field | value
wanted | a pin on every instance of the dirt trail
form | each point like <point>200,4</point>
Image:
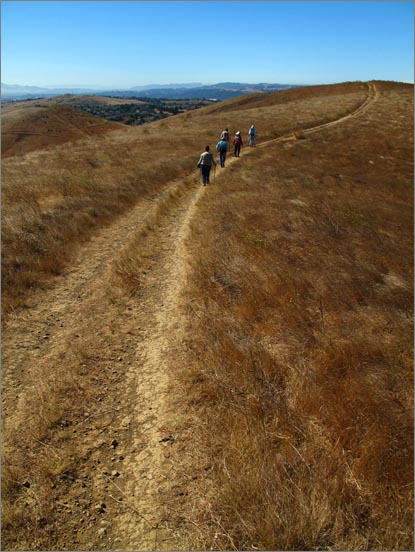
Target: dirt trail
<point>137,349</point>
<point>134,480</point>
<point>372,96</point>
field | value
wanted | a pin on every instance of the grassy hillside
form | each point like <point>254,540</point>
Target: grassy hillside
<point>31,127</point>
<point>43,123</point>
<point>300,337</point>
<point>294,385</point>
<point>52,200</point>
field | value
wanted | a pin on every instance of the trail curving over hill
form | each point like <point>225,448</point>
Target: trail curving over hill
<point>139,335</point>
<point>371,97</point>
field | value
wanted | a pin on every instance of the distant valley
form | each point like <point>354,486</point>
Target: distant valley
<point>29,125</point>
<point>219,91</point>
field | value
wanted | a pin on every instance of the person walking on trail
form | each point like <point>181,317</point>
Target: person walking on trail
<point>237,142</point>
<point>251,134</point>
<point>222,147</point>
<point>206,160</point>
<point>225,135</point>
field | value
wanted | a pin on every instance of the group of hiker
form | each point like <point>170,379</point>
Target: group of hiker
<point>206,159</point>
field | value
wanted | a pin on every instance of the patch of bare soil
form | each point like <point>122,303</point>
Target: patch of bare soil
<point>117,490</point>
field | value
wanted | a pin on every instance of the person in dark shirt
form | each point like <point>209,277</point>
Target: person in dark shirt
<point>237,142</point>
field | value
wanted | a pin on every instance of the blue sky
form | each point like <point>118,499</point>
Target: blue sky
<point>126,44</point>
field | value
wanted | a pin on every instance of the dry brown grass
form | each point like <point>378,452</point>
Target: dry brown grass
<point>60,414</point>
<point>53,200</point>
<point>29,127</point>
<point>299,378</point>
<point>300,339</point>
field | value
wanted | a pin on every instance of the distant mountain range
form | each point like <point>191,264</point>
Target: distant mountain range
<point>220,91</point>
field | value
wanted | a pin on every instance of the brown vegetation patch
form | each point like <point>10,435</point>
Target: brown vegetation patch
<point>27,128</point>
<point>295,362</point>
<point>300,341</point>
<point>89,182</point>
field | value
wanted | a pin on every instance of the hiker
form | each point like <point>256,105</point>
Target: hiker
<point>206,160</point>
<point>225,135</point>
<point>237,142</point>
<point>222,147</point>
<point>251,134</point>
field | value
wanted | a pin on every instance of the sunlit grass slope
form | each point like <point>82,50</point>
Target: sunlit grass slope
<point>32,127</point>
<point>52,200</point>
<point>297,370</point>
<point>300,338</point>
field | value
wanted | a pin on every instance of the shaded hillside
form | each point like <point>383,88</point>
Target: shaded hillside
<point>30,126</point>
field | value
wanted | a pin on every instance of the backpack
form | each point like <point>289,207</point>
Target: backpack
<point>237,139</point>
<point>225,135</point>
<point>221,146</point>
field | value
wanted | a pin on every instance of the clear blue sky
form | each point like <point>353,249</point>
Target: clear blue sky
<point>127,44</point>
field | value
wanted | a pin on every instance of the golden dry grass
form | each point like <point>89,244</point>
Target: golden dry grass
<point>301,342</point>
<point>30,127</point>
<point>298,381</point>
<point>53,200</point>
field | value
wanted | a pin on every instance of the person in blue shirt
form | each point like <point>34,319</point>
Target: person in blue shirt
<point>251,134</point>
<point>222,147</point>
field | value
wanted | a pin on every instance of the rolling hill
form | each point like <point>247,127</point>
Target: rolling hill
<point>220,367</point>
<point>38,124</point>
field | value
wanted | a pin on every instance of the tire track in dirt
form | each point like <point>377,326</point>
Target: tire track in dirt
<point>78,303</point>
<point>163,334</point>
<point>149,468</point>
<point>55,312</point>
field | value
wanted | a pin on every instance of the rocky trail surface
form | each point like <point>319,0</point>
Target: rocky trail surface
<point>122,491</point>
